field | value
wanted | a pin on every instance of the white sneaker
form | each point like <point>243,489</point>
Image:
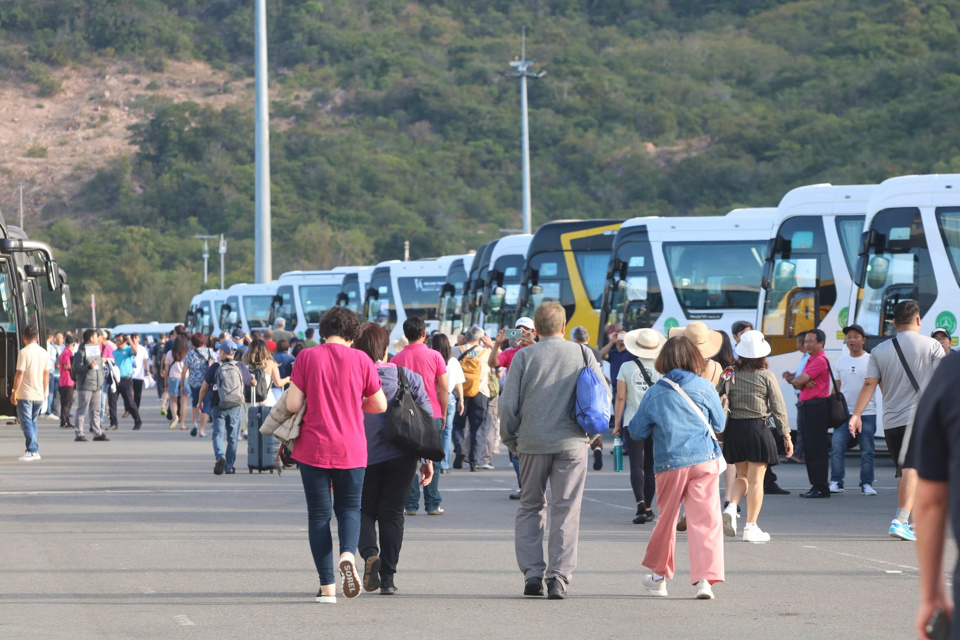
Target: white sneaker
<point>29,457</point>
<point>704,590</point>
<point>867,490</point>
<point>835,487</point>
<point>755,535</point>
<point>656,588</point>
<point>730,520</point>
<point>488,467</point>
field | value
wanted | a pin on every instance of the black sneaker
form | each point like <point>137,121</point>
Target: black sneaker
<point>458,461</point>
<point>387,588</point>
<point>641,517</point>
<point>597,459</point>
<point>230,472</point>
<point>371,573</point>
<point>533,587</point>
<point>101,438</point>
<point>137,426</point>
<point>555,589</point>
<point>218,466</point>
<point>774,489</point>
<point>80,439</point>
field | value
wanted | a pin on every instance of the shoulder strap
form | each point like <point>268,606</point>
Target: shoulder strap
<point>643,372</point>
<point>836,389</point>
<point>906,367</point>
<point>463,354</point>
<point>693,404</point>
<point>402,379</point>
<point>583,352</point>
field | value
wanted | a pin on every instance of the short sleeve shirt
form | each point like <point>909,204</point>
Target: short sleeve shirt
<point>617,360</point>
<point>66,364</point>
<point>211,379</point>
<point>636,385</point>
<point>899,398</point>
<point>817,368</point>
<point>505,357</point>
<point>34,361</point>
<point>430,365</point>
<point>124,359</point>
<point>454,374</point>
<point>335,379</point>
<point>851,372</point>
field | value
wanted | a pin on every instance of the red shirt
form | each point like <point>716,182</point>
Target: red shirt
<point>505,357</point>
<point>430,365</point>
<point>271,345</point>
<point>816,368</point>
<point>66,364</point>
<point>335,379</point>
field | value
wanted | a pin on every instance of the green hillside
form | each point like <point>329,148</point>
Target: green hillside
<point>398,121</point>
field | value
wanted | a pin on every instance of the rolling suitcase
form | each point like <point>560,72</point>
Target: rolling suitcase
<point>261,449</point>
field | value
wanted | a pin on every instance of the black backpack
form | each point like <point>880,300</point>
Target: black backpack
<point>409,426</point>
<point>262,385</point>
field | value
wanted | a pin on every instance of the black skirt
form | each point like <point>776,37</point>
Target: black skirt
<point>749,440</point>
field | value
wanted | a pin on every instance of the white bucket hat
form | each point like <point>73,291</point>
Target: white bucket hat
<point>644,343</point>
<point>706,340</point>
<point>752,345</point>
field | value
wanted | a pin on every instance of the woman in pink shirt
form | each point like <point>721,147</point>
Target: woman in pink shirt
<point>338,384</point>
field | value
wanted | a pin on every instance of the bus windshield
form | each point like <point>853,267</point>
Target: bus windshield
<point>380,308</point>
<point>257,310</point>
<point>316,299</point>
<point>6,302</point>
<point>715,275</point>
<point>421,296</point>
<point>351,289</point>
<point>948,219</point>
<point>849,230</point>
<point>897,267</point>
<point>636,302</point>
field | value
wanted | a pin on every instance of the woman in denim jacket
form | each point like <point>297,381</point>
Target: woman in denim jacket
<point>686,462</point>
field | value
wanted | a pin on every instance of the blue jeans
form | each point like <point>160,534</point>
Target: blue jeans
<point>446,436</point>
<point>431,492</point>
<point>226,421</point>
<point>27,412</point>
<point>841,436</point>
<point>347,489</point>
<point>53,394</point>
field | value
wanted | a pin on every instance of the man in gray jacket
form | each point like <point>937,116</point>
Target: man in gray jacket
<point>88,373</point>
<point>539,426</point>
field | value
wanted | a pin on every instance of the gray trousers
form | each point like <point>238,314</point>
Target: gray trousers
<point>489,439</point>
<point>566,472</point>
<point>88,401</point>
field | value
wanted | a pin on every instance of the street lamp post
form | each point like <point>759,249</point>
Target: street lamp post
<point>223,253</point>
<point>522,71</point>
<point>206,253</point>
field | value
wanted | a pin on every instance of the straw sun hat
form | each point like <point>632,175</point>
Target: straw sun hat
<point>644,343</point>
<point>707,341</point>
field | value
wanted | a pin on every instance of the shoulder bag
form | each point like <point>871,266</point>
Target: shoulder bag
<point>409,426</point>
<point>721,461</point>
<point>839,412</point>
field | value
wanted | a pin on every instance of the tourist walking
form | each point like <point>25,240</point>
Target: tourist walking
<point>176,374</point>
<point>681,413</point>
<point>30,387</point>
<point>748,445</point>
<point>198,361</point>
<point>338,385</point>
<point>633,380</point>
<point>476,389</point>
<point>227,382</point>
<point>67,384</point>
<point>124,356</point>
<point>87,370</point>
<point>441,344</point>
<point>389,472</point>
<point>259,360</point>
<point>537,422</point>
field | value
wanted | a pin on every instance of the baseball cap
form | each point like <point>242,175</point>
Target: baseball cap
<point>526,323</point>
<point>237,334</point>
<point>855,327</point>
<point>227,346</point>
<point>940,330</point>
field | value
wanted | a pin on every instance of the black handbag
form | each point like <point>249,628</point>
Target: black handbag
<point>839,412</point>
<point>409,426</point>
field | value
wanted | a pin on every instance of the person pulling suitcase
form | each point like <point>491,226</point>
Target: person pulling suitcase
<point>227,379</point>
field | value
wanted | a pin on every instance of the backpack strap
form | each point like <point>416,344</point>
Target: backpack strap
<point>583,352</point>
<point>643,372</point>
<point>906,367</point>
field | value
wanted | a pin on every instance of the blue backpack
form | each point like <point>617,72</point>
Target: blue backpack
<point>592,404</point>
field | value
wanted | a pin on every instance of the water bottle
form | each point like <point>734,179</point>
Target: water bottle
<point>618,454</point>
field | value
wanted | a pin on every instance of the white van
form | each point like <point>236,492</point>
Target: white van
<point>152,330</point>
<point>353,288</point>
<point>204,313</point>
<point>501,290</point>
<point>248,306</point>
<point>303,296</point>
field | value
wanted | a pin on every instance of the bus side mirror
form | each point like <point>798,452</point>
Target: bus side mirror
<point>860,271</point>
<point>53,275</point>
<point>877,272</point>
<point>66,300</point>
<point>342,299</point>
<point>767,279</point>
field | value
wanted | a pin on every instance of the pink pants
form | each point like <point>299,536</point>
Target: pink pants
<point>697,488</point>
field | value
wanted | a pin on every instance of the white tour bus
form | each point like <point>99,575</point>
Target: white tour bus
<point>152,330</point>
<point>303,296</point>
<point>501,289</point>
<point>401,289</point>
<point>910,249</point>
<point>667,272</point>
<point>204,313</point>
<point>808,274</point>
<point>451,297</point>
<point>353,288</point>
<point>247,306</point>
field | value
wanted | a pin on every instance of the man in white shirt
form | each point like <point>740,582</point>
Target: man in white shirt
<point>30,387</point>
<point>851,372</point>
<point>141,368</point>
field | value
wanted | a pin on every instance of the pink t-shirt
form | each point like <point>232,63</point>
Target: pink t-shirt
<point>505,357</point>
<point>335,379</point>
<point>66,363</point>
<point>816,368</point>
<point>430,365</point>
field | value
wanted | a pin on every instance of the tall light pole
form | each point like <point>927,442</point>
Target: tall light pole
<point>20,189</point>
<point>523,72</point>
<point>223,253</point>
<point>206,253</point>
<point>263,258</point>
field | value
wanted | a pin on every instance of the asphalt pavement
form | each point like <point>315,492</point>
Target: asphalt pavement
<point>137,538</point>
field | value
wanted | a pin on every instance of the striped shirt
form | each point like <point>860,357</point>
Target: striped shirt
<point>755,393</point>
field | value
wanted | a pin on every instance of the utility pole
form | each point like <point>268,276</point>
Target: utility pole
<point>20,188</point>
<point>223,252</point>
<point>93,310</point>
<point>206,253</point>
<point>263,257</point>
<point>523,72</point>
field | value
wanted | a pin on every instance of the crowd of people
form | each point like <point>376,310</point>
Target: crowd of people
<point>697,409</point>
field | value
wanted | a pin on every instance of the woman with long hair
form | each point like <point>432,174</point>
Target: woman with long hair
<point>177,376</point>
<point>390,470</point>
<point>440,343</point>
<point>258,357</point>
<point>681,412</point>
<point>338,385</point>
<point>748,444</point>
<point>198,361</point>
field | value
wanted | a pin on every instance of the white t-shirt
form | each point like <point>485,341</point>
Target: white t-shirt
<point>141,363</point>
<point>34,361</point>
<point>636,385</point>
<point>454,374</point>
<point>851,373</point>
